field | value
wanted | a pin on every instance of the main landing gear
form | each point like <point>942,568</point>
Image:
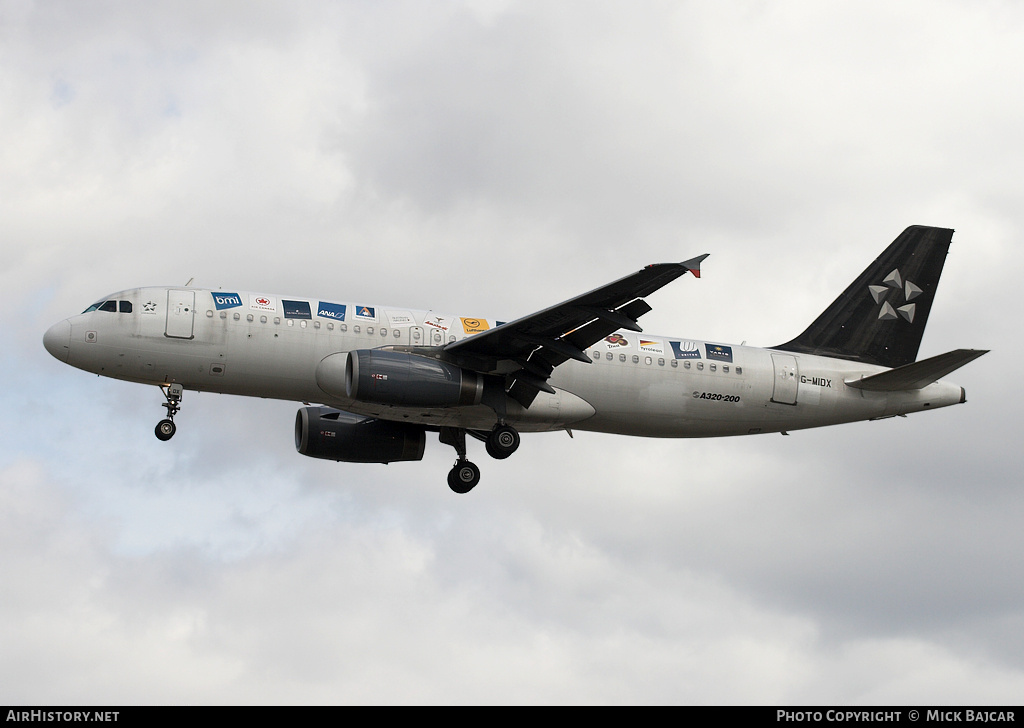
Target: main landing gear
<point>165,428</point>
<point>500,442</point>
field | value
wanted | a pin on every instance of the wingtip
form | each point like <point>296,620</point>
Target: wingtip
<point>693,264</point>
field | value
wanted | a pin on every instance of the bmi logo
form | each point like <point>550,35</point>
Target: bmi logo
<point>905,290</point>
<point>226,300</point>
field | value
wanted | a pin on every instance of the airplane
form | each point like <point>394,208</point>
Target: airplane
<point>382,377</point>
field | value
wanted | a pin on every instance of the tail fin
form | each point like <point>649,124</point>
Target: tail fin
<point>880,317</point>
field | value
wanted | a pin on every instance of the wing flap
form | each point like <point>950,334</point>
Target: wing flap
<point>919,374</point>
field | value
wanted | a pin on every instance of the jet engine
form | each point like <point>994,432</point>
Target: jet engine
<point>321,432</point>
<point>397,378</point>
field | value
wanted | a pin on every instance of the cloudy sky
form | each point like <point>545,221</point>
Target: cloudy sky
<point>490,159</point>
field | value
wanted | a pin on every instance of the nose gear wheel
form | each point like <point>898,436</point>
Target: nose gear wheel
<point>166,428</point>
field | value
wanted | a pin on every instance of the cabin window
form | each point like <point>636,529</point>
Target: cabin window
<point>383,332</point>
<point>686,365</point>
<point>622,357</point>
<point>125,306</point>
<point>595,354</point>
<point>725,368</point>
<point>451,339</point>
<point>277,319</point>
<point>302,324</point>
<point>661,362</point>
<point>739,370</point>
<point>610,356</point>
<point>316,324</point>
<point>330,326</point>
<point>700,366</point>
<point>290,322</point>
<point>355,329</point>
<point>237,316</point>
<point>248,317</point>
<point>263,319</point>
<point>712,366</point>
<point>344,327</point>
<point>675,364</point>
<point>396,333</point>
<point>636,359</point>
<point>648,360</point>
<point>223,314</point>
<point>369,329</point>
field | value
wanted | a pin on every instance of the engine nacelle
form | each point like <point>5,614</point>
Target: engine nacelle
<point>321,432</point>
<point>396,378</point>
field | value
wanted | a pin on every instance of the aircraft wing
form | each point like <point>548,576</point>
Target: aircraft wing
<point>527,350</point>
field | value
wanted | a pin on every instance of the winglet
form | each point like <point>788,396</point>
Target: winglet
<point>693,264</point>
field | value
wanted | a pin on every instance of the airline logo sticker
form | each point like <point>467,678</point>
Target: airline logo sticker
<point>437,322</point>
<point>262,303</point>
<point>652,347</point>
<point>894,281</point>
<point>719,353</point>
<point>368,313</point>
<point>400,318</point>
<point>614,341</point>
<point>685,349</point>
<point>334,311</point>
<point>296,309</point>
<point>224,300</point>
<point>473,326</point>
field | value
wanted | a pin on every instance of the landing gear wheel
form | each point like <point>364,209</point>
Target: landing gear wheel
<point>463,477</point>
<point>165,429</point>
<point>502,442</point>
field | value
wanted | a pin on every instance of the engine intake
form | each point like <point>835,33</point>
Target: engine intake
<point>397,378</point>
<point>330,434</point>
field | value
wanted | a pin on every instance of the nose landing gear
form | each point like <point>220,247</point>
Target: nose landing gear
<point>166,428</point>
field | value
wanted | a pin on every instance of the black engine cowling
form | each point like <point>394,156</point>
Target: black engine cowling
<point>397,378</point>
<point>321,432</point>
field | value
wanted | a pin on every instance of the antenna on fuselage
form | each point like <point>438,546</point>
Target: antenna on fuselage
<point>190,281</point>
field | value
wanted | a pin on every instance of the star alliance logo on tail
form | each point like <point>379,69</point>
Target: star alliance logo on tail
<point>894,281</point>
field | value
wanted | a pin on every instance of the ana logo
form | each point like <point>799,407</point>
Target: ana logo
<point>334,311</point>
<point>226,300</point>
<point>905,293</point>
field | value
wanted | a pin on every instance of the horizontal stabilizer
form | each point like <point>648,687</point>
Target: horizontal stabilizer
<point>919,374</point>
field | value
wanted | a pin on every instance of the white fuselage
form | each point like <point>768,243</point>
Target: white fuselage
<point>636,384</point>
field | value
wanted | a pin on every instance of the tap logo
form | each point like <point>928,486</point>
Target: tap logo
<point>905,293</point>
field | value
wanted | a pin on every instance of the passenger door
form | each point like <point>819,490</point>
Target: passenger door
<point>180,314</point>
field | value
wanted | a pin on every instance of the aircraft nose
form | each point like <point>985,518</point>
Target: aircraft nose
<point>57,340</point>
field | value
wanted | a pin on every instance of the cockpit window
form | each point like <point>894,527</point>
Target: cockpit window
<point>112,306</point>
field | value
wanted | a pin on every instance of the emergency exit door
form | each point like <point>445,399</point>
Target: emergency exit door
<point>787,379</point>
<point>180,314</point>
